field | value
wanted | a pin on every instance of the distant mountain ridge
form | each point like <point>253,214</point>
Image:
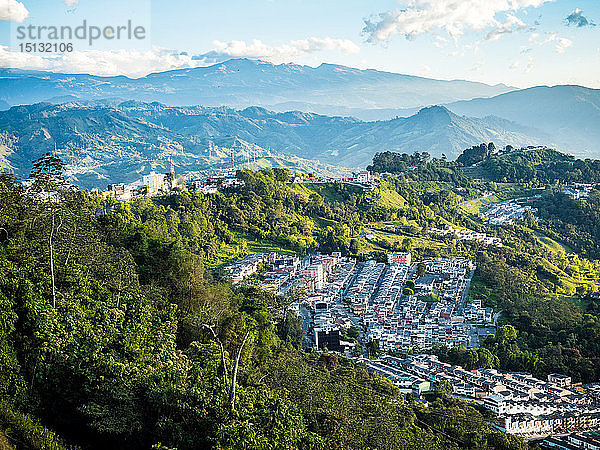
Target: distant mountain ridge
<point>569,115</point>
<point>105,144</point>
<point>242,82</point>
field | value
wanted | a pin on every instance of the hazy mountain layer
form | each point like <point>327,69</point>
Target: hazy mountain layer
<point>242,82</point>
<point>104,144</point>
<point>570,115</point>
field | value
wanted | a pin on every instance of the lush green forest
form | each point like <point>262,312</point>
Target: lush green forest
<point>539,166</point>
<point>114,331</point>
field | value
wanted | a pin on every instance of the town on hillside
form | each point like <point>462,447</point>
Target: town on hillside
<point>374,311</point>
<point>153,183</point>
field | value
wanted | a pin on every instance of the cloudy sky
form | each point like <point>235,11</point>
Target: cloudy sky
<point>516,42</point>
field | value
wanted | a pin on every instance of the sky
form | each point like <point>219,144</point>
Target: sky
<point>519,43</point>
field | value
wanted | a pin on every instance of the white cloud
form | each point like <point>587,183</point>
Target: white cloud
<point>512,24</point>
<point>132,63</point>
<point>515,65</point>
<point>71,2</point>
<point>282,53</point>
<point>13,11</point>
<point>561,44</point>
<point>453,16</point>
<point>136,63</point>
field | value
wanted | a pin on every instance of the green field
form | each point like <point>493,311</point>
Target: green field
<point>229,252</point>
<point>392,238</point>
<point>551,244</point>
<point>388,198</point>
<point>479,204</point>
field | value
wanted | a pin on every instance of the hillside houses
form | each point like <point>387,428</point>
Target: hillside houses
<point>579,190</point>
<point>466,235</point>
<point>339,292</point>
<point>506,213</point>
<point>244,267</point>
<point>525,405</point>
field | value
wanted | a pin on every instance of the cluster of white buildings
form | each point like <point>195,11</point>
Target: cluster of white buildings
<point>525,405</point>
<point>390,302</point>
<point>432,314</point>
<point>328,314</point>
<point>579,190</point>
<point>154,184</point>
<point>407,383</point>
<point>589,440</point>
<point>320,280</point>
<point>363,286</point>
<point>339,293</point>
<point>467,235</point>
<point>244,267</point>
<point>475,312</point>
<point>148,186</point>
<point>280,271</point>
<point>506,213</point>
<point>364,179</point>
<point>221,179</point>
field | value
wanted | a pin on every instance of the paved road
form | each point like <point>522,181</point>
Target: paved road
<point>461,307</point>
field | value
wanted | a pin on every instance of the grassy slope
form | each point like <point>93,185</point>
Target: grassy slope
<point>388,198</point>
<point>552,245</point>
<point>479,204</point>
<point>399,237</point>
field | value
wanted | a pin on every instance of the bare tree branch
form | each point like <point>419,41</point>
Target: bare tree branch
<point>237,362</point>
<point>216,338</point>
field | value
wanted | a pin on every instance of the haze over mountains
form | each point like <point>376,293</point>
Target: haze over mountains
<point>242,82</point>
<point>105,144</point>
<point>107,135</point>
<point>570,115</point>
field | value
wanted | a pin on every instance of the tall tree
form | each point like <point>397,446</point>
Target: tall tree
<point>47,185</point>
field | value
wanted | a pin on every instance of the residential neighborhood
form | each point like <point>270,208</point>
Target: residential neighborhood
<point>506,213</point>
<point>579,190</point>
<point>400,304</point>
<point>525,405</point>
<point>406,306</point>
<point>466,235</point>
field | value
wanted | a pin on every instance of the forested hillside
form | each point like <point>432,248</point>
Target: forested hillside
<point>117,330</point>
<point>104,144</point>
<point>115,334</point>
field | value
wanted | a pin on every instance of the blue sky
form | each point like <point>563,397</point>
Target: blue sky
<point>516,42</point>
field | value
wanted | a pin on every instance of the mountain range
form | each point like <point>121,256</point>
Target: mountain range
<point>328,115</point>
<point>241,83</point>
<point>568,115</point>
<point>104,144</point>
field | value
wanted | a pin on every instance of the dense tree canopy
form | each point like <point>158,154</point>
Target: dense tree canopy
<point>138,345</point>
